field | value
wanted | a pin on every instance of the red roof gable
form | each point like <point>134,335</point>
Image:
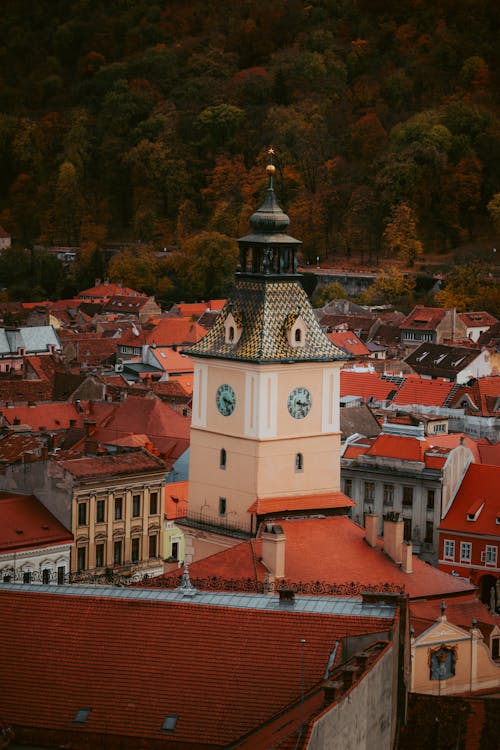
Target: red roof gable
<point>459,611</point>
<point>349,342</point>
<point>25,523</point>
<point>481,484</point>
<point>423,318</point>
<point>220,670</point>
<point>397,446</point>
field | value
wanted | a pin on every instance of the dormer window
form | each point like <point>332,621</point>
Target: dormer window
<point>474,511</point>
<point>295,329</point>
<point>233,326</point>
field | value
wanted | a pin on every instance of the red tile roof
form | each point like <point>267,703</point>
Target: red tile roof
<point>423,391</point>
<point>405,448</point>
<point>453,439</point>
<point>459,611</point>
<point>222,671</point>
<point>116,464</point>
<point>175,332</point>
<point>49,416</point>
<point>349,342</point>
<point>423,318</point>
<point>489,453</point>
<point>172,361</point>
<point>106,290</point>
<point>331,550</point>
<point>25,523</point>
<point>477,319</point>
<point>366,385</point>
<point>481,484</point>
<point>484,395</point>
<point>300,502</point>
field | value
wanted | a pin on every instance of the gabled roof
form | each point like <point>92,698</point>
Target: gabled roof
<point>25,523</point>
<point>480,397</point>
<point>196,309</point>
<point>31,339</point>
<point>401,447</point>
<point>107,290</point>
<point>349,342</point>
<point>126,304</point>
<point>489,453</point>
<point>53,416</point>
<point>459,611</point>
<point>20,447</point>
<point>219,665</point>
<point>423,318</point>
<point>423,391</point>
<point>175,332</point>
<point>477,319</point>
<point>480,485</point>
<point>439,360</point>
<point>171,360</point>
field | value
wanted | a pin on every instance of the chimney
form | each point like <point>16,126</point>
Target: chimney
<point>333,690</point>
<point>349,675</point>
<point>371,529</point>
<point>273,549</point>
<point>407,557</point>
<point>287,597</point>
<point>393,536</point>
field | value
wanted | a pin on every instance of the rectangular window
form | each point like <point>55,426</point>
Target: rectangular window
<point>429,532</point>
<point>27,576</point>
<point>99,511</point>
<point>175,550</point>
<point>449,549</point>
<point>117,553</point>
<point>136,505</point>
<point>135,549</point>
<point>430,499</point>
<point>82,514</point>
<point>222,506</point>
<point>465,552</point>
<point>407,529</point>
<point>491,555</point>
<point>408,497</point>
<point>45,575</point>
<point>81,559</point>
<point>369,495</point>
<point>118,508</point>
<point>152,545</point>
<point>388,494</point>
<point>348,487</point>
<point>99,555</point>
<point>61,574</point>
<point>153,503</point>
<point>495,648</point>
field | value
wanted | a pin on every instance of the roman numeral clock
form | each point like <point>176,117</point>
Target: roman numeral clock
<point>265,418</point>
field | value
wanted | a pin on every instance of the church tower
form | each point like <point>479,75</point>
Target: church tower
<point>265,435</point>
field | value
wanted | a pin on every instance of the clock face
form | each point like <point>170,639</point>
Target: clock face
<point>299,403</point>
<point>225,398</point>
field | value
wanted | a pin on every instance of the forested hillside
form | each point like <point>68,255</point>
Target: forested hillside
<point>149,122</point>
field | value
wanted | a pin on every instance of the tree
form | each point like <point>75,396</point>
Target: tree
<point>470,286</point>
<point>400,235</point>
<point>204,266</point>
<point>328,292</point>
<point>494,210</point>
<point>138,269</point>
<point>391,287</point>
<point>68,204</point>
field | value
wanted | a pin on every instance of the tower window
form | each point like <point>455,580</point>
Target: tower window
<point>298,335</point>
<point>223,458</point>
<point>299,462</point>
<point>231,333</point>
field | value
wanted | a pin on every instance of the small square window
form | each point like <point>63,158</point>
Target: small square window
<point>169,723</point>
<point>81,715</point>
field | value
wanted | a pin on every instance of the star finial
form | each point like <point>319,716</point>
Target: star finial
<point>270,169</point>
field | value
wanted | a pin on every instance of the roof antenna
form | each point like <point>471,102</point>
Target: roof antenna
<point>186,588</point>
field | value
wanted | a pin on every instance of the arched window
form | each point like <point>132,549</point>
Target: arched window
<point>298,335</point>
<point>299,462</point>
<point>223,458</point>
<point>231,333</point>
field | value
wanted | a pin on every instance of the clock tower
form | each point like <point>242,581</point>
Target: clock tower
<point>265,434</point>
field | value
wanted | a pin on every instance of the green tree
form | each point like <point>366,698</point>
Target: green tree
<point>204,266</point>
<point>391,287</point>
<point>137,269</point>
<point>328,292</point>
<point>68,204</point>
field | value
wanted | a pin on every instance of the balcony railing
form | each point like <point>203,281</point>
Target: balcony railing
<point>216,524</point>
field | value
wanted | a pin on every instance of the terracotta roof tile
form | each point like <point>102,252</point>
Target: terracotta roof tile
<point>300,502</point>
<point>175,332</point>
<point>423,391</point>
<point>349,342</point>
<point>366,385</point>
<point>481,484</point>
<point>220,670</point>
<point>25,523</point>
<point>116,464</point>
<point>423,318</point>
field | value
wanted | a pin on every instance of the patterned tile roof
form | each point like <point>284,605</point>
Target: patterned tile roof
<point>481,485</point>
<point>220,670</point>
<point>25,523</point>
<point>264,306</point>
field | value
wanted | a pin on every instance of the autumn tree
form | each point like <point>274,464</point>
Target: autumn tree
<point>135,268</point>
<point>494,210</point>
<point>328,292</point>
<point>400,234</point>
<point>391,287</point>
<point>470,286</point>
<point>204,266</point>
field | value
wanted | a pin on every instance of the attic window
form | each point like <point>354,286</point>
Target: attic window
<point>81,715</point>
<point>169,723</point>
<point>474,512</point>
